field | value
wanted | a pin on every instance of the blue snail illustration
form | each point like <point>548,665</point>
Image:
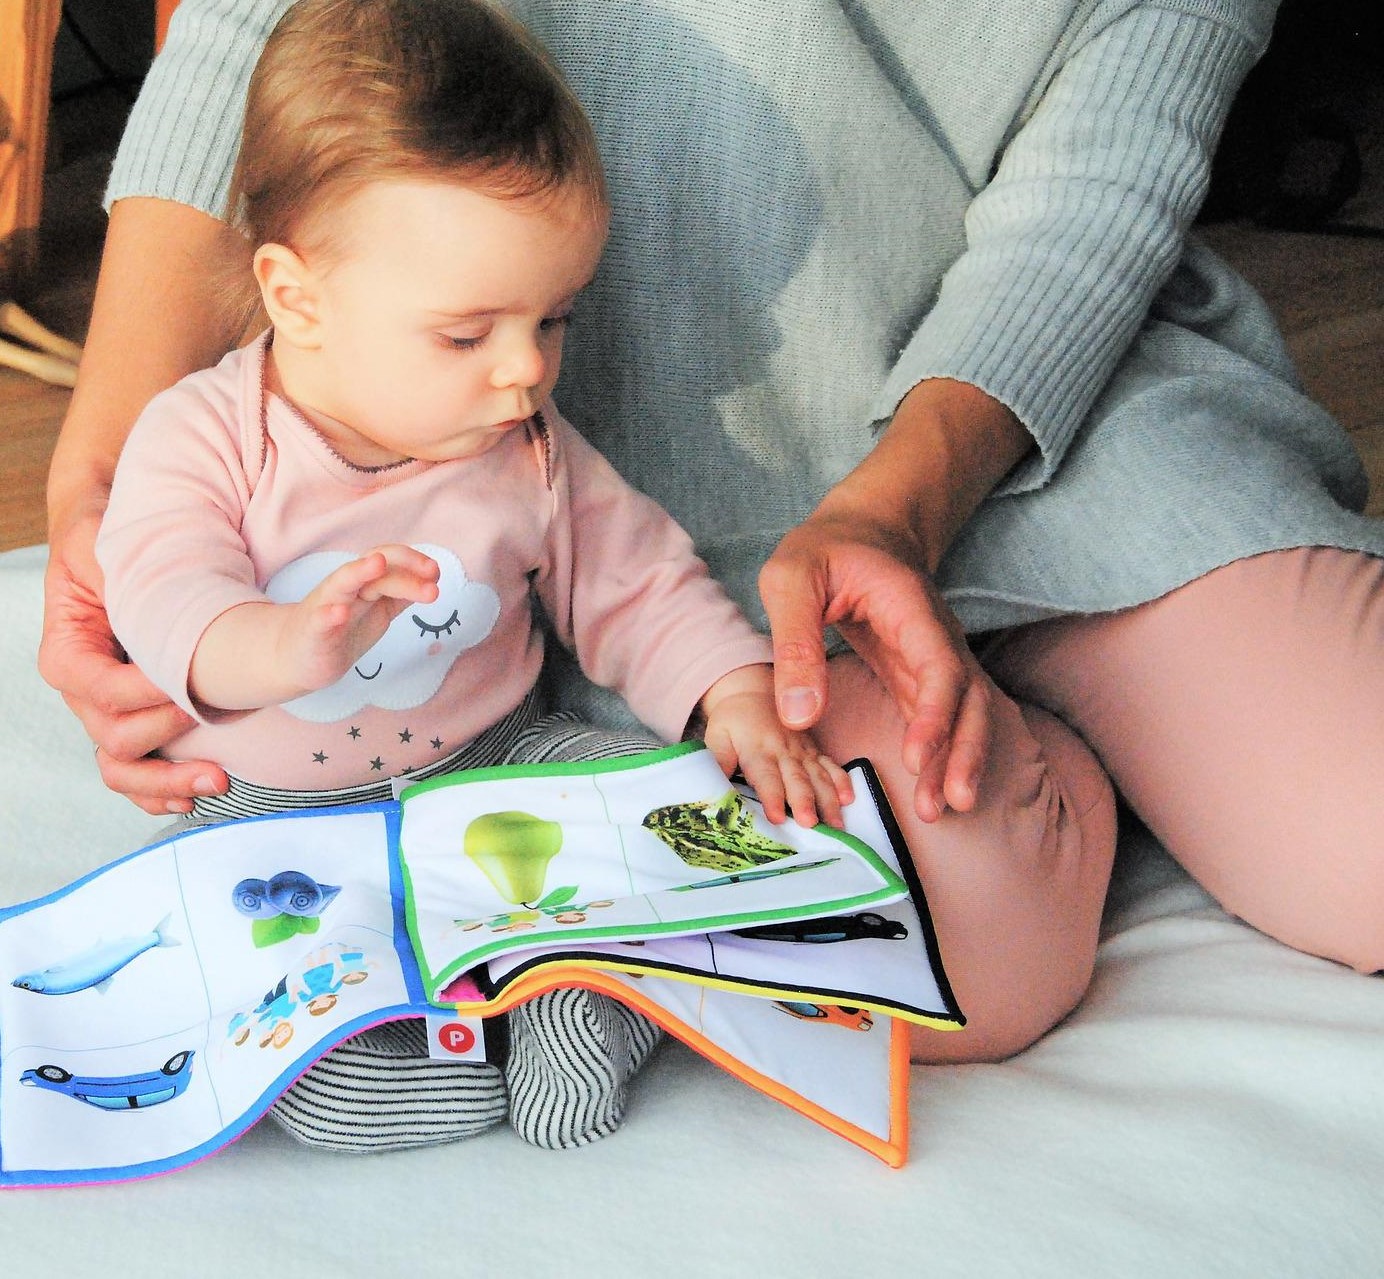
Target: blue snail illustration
<point>281,907</point>
<point>290,892</point>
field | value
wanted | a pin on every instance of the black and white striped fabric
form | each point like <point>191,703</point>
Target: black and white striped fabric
<point>572,1052</point>
<point>380,1091</point>
<point>572,1055</point>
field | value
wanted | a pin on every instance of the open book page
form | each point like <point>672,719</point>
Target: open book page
<point>655,845</point>
<point>152,1011</point>
<point>890,965</point>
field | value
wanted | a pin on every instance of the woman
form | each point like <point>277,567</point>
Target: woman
<point>898,318</point>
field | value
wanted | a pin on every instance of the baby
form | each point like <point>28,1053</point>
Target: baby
<point>329,549</point>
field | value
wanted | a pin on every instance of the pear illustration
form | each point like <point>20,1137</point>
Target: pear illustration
<point>513,850</point>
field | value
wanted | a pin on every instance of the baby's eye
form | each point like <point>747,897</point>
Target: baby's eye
<point>427,628</point>
<point>454,343</point>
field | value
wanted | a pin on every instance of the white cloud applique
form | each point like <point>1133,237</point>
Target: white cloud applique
<point>408,663</point>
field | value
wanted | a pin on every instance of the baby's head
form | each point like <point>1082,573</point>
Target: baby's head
<point>422,197</point>
<point>350,92</point>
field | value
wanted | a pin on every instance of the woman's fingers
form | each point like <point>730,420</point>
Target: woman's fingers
<point>122,711</point>
<point>128,721</point>
<point>791,586</point>
<point>128,717</point>
<point>970,745</point>
<point>947,739</point>
<point>158,786</point>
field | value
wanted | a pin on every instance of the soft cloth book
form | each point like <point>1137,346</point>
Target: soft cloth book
<point>154,1010</point>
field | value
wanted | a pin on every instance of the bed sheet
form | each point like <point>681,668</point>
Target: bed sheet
<point>1214,1107</point>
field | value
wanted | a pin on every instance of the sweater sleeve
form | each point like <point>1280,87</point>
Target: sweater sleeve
<point>170,547</point>
<point>182,135</point>
<point>626,592</point>
<point>1082,223</point>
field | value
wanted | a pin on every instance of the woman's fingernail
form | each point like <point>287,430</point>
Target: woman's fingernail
<point>204,786</point>
<point>798,705</point>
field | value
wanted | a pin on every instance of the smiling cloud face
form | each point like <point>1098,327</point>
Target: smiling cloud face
<point>408,663</point>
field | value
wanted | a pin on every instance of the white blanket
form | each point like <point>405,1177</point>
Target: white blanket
<point>1215,1107</point>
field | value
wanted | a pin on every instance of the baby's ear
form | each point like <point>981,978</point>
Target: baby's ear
<point>290,292</point>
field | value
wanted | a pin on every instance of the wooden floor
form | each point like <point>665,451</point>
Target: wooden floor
<point>1327,291</point>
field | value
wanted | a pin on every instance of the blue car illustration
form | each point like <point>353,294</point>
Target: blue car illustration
<point>117,1092</point>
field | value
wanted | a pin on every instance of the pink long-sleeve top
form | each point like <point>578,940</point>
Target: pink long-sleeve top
<point>225,494</point>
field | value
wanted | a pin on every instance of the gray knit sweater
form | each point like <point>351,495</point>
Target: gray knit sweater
<point>819,203</point>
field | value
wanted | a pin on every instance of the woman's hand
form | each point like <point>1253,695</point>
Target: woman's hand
<point>863,563</point>
<point>158,313</point>
<point>123,713</point>
<point>866,581</point>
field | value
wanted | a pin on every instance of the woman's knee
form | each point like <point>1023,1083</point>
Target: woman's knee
<point>1015,887</point>
<point>1242,716</point>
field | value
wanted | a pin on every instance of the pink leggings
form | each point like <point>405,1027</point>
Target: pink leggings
<point>1241,716</point>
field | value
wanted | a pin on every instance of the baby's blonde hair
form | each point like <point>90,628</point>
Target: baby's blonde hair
<point>349,92</point>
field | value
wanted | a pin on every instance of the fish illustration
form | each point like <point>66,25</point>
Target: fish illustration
<point>96,965</point>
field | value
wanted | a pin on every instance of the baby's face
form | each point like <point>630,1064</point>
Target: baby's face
<point>441,323</point>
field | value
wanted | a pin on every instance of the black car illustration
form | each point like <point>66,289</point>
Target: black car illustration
<point>831,928</point>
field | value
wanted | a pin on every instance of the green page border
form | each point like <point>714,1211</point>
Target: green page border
<point>892,885</point>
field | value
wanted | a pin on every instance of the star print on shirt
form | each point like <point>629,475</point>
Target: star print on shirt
<point>437,743</point>
<point>319,757</point>
<point>406,736</point>
<point>376,764</point>
<point>353,731</point>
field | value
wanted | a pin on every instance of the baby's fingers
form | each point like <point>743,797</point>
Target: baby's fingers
<point>399,572</point>
<point>768,779</point>
<point>792,784</point>
<point>833,789</point>
<point>344,585</point>
<point>817,789</point>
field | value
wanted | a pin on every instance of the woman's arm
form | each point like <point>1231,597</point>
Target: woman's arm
<point>1067,246</point>
<point>863,563</point>
<point>1084,221</point>
<point>156,317</point>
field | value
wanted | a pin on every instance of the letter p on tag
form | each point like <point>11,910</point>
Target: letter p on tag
<point>453,1038</point>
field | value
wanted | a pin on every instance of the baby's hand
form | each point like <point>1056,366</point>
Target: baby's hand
<point>785,767</point>
<point>344,615</point>
<point>262,654</point>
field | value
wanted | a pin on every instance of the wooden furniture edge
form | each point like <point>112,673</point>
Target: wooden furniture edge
<point>27,31</point>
